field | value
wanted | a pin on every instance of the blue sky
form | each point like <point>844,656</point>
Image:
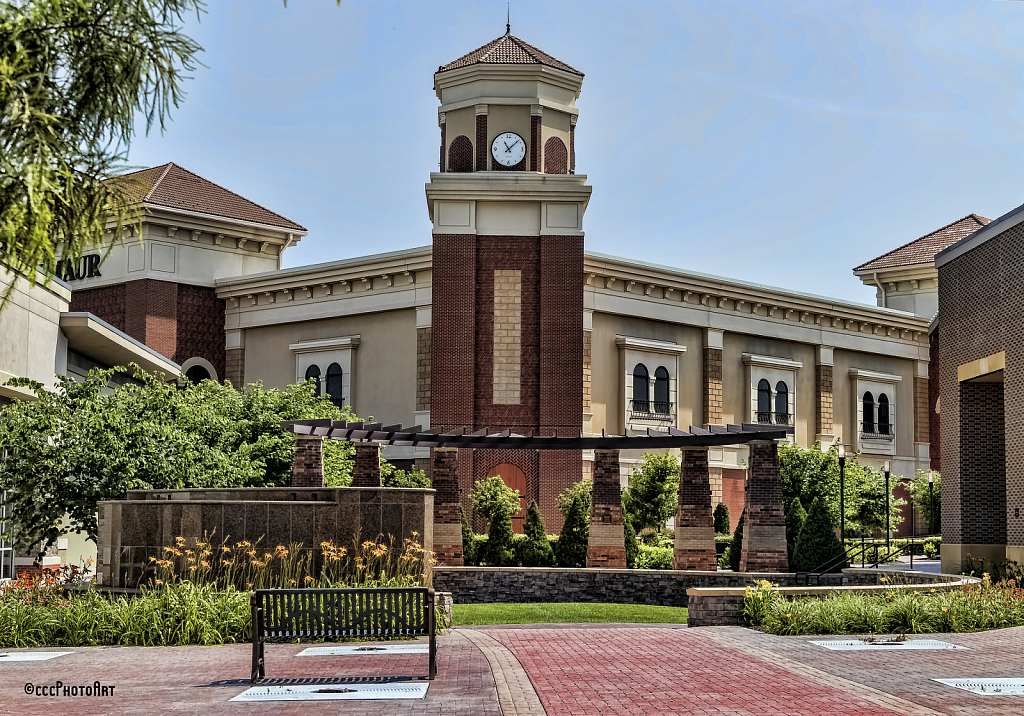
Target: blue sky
<point>775,142</point>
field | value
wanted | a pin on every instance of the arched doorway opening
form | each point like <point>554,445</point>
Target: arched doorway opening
<point>515,479</point>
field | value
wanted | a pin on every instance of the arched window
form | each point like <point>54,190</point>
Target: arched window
<point>883,414</point>
<point>313,372</point>
<point>641,402</point>
<point>556,158</point>
<point>197,373</point>
<point>764,401</point>
<point>868,419</point>
<point>334,385</point>
<point>661,404</point>
<point>781,403</point>
<point>460,154</point>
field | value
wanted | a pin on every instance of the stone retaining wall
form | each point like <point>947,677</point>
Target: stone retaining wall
<point>480,585</point>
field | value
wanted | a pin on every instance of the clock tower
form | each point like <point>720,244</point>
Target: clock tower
<point>506,324</point>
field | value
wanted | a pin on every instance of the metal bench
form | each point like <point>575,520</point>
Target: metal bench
<point>289,614</point>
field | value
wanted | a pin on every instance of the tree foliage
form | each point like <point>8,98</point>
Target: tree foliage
<point>81,443</point>
<point>571,549</point>
<point>721,518</point>
<point>535,550</point>
<point>652,496</point>
<point>496,502</point>
<point>928,500</point>
<point>795,518</point>
<point>817,543</point>
<point>469,556</point>
<point>74,75</point>
<point>584,490</point>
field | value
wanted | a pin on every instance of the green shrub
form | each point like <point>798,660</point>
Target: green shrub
<point>500,548</point>
<point>572,542</point>
<point>654,557</point>
<point>757,601</point>
<point>535,549</point>
<point>721,519</point>
<point>795,518</point>
<point>632,546</point>
<point>735,549</point>
<point>658,538</point>
<point>496,502</point>
<point>817,543</point>
<point>469,552</point>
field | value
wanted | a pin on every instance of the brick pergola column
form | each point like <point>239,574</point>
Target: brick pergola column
<point>695,532</point>
<point>607,546</point>
<point>823,366</point>
<point>308,468</point>
<point>764,527</point>
<point>444,477</point>
<point>366,472</point>
<point>713,343</point>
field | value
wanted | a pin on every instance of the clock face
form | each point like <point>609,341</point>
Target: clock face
<point>508,149</point>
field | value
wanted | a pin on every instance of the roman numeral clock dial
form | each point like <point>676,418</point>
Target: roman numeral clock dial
<point>508,149</point>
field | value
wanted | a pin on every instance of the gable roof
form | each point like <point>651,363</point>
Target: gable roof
<point>508,50</point>
<point>175,187</point>
<point>923,250</point>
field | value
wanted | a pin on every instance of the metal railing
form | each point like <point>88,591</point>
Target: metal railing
<point>850,555</point>
<point>774,418</point>
<point>891,435</point>
<point>651,410</point>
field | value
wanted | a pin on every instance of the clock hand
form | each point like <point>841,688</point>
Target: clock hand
<point>507,148</point>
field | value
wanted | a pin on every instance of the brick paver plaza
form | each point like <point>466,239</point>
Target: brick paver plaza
<point>547,669</point>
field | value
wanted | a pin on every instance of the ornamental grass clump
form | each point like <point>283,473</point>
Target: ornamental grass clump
<point>986,605</point>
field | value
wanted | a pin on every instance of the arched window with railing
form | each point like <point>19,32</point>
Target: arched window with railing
<point>884,424</point>
<point>661,401</point>
<point>335,385</point>
<point>313,373</point>
<point>641,401</point>
<point>868,409</point>
<point>781,403</point>
<point>764,401</point>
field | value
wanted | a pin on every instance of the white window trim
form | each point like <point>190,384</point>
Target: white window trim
<point>323,352</point>
<point>876,383</point>
<point>773,369</point>
<point>202,362</point>
<point>653,354</point>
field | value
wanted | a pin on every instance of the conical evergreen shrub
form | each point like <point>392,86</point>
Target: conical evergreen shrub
<point>721,519</point>
<point>736,548</point>
<point>500,548</point>
<point>572,541</point>
<point>796,515</point>
<point>629,536</point>
<point>817,542</point>
<point>469,556</point>
<point>535,550</point>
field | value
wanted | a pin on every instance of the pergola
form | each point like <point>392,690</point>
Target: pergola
<point>764,548</point>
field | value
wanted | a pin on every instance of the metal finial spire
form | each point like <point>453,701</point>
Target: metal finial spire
<point>508,19</point>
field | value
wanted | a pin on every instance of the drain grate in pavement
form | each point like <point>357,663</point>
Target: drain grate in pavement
<point>31,655</point>
<point>987,687</point>
<point>365,649</point>
<point>333,692</point>
<point>908,645</point>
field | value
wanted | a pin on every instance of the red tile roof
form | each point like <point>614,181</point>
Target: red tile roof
<point>177,188</point>
<point>923,250</point>
<point>508,50</point>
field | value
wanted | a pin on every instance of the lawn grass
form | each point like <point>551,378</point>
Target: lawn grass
<point>572,613</point>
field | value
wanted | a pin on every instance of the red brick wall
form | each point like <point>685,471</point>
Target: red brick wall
<point>366,469</point>
<point>535,123</point>
<point>151,314</point>
<point>764,531</point>
<point>200,326</point>
<point>734,494</point>
<point>107,303</point>
<point>481,143</point>
<point>441,163</point>
<point>572,148</point>
<point>308,465</point>
<point>934,384</point>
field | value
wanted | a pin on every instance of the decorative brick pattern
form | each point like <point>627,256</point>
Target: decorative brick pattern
<point>460,154</point>
<point>561,469</point>
<point>561,334</point>
<point>934,384</point>
<point>921,427</point>
<point>606,547</point>
<point>712,386</point>
<point>106,303</point>
<point>481,143</point>
<point>441,164</point>
<point>308,468</point>
<point>151,315</point>
<point>453,331</point>
<point>823,387</point>
<point>200,327</point>
<point>444,477</point>
<point>556,158</point>
<point>695,533</point>
<point>764,528</point>
<point>587,373</point>
<point>518,167</point>
<point>982,463</point>
<point>423,355</point>
<point>535,122</point>
<point>508,315</point>
<point>234,367</point>
<point>366,470</point>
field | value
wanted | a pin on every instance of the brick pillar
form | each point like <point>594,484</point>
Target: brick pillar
<point>444,476</point>
<point>824,406</point>
<point>572,144</point>
<point>423,358</point>
<point>695,532</point>
<point>308,468</point>
<point>442,165</point>
<point>607,546</point>
<point>764,527</point>
<point>482,148</point>
<point>535,121</point>
<point>713,377</point>
<point>366,472</point>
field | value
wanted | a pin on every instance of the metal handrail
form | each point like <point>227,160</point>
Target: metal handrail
<point>851,553</point>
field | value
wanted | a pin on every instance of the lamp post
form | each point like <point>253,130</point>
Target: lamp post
<point>931,503</point>
<point>886,469</point>
<point>841,452</point>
